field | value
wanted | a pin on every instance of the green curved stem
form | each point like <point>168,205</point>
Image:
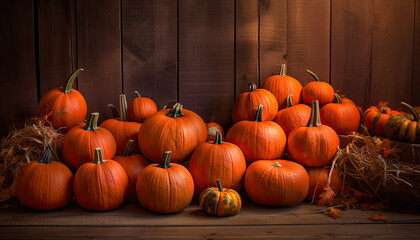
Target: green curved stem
<point>258,115</point>
<point>165,161</point>
<point>125,117</point>
<point>176,111</point>
<point>46,157</point>
<point>338,98</point>
<point>137,93</point>
<point>277,164</point>
<point>289,102</point>
<point>114,110</point>
<point>128,150</point>
<point>315,120</point>
<point>219,185</point>
<point>99,156</point>
<point>412,110</point>
<point>92,123</point>
<point>313,75</point>
<point>218,139</point>
<point>68,85</point>
<point>252,87</point>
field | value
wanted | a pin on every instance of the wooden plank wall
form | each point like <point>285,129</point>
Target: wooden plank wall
<point>204,53</point>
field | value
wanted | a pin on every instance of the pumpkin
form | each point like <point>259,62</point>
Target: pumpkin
<point>44,184</point>
<point>133,164</point>
<point>258,139</point>
<point>318,178</point>
<point>141,107</point>
<point>314,145</point>
<point>165,188</point>
<point>282,86</point>
<point>247,103</point>
<point>212,129</point>
<point>64,107</point>
<point>276,182</point>
<point>100,185</point>
<point>218,159</point>
<point>123,129</point>
<point>80,143</point>
<point>375,118</point>
<point>342,117</point>
<point>292,116</point>
<point>317,90</point>
<point>402,128</point>
<point>175,128</point>
<point>344,98</point>
<point>220,201</point>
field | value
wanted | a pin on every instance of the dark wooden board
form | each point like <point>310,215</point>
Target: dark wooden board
<point>415,86</point>
<point>150,49</point>
<point>206,58</point>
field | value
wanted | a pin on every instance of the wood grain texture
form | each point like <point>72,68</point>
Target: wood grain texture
<point>392,52</point>
<point>308,39</point>
<point>206,58</point>
<point>57,51</point>
<point>150,49</point>
<point>18,83</point>
<point>247,20</point>
<point>273,37</point>
<point>99,53</point>
<point>415,86</point>
<point>351,39</point>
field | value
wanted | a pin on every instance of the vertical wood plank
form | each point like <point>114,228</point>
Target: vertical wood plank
<point>99,53</point>
<point>273,37</point>
<point>415,86</point>
<point>392,51</point>
<point>57,43</point>
<point>308,38</point>
<point>247,20</point>
<point>206,58</point>
<point>150,49</point>
<point>18,83</point>
<point>351,42</point>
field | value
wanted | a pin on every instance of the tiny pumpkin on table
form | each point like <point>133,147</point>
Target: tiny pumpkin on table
<point>220,201</point>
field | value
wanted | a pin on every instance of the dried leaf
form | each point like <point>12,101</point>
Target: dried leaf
<point>326,196</point>
<point>378,217</point>
<point>333,212</point>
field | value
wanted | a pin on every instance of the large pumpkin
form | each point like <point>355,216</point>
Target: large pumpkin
<point>342,117</point>
<point>247,103</point>
<point>123,129</point>
<point>318,178</point>
<point>276,182</point>
<point>220,201</point>
<point>212,129</point>
<point>141,107</point>
<point>133,164</point>
<point>282,86</point>
<point>314,145</point>
<point>375,118</point>
<point>402,128</point>
<point>44,184</point>
<point>217,160</point>
<point>317,90</point>
<point>80,143</point>
<point>258,139</point>
<point>165,188</point>
<point>174,129</point>
<point>292,116</point>
<point>100,185</point>
<point>64,107</point>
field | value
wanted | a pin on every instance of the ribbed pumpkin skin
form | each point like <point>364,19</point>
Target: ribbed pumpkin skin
<point>403,128</point>
<point>321,91</point>
<point>282,86</point>
<point>212,127</point>
<point>342,117</point>
<point>225,203</point>
<point>292,117</point>
<point>318,178</point>
<point>44,186</point>
<point>122,132</point>
<point>268,185</point>
<point>140,108</point>
<point>375,119</point>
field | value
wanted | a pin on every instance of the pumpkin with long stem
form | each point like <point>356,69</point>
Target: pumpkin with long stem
<point>292,116</point>
<point>375,118</point>
<point>220,201</point>
<point>141,107</point>
<point>402,128</point>
<point>317,90</point>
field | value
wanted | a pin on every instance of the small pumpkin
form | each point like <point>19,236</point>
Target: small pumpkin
<point>247,103</point>
<point>165,188</point>
<point>212,129</point>
<point>64,107</point>
<point>402,128</point>
<point>318,178</point>
<point>100,185</point>
<point>141,107</point>
<point>317,90</point>
<point>220,201</point>
<point>375,118</point>
<point>314,145</point>
<point>292,116</point>
<point>276,182</point>
<point>282,86</point>
<point>44,184</point>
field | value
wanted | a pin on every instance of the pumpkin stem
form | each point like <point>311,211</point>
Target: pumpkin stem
<point>252,87</point>
<point>165,106</point>
<point>219,185</point>
<point>218,139</point>
<point>176,111</point>
<point>412,110</point>
<point>124,108</point>
<point>46,157</point>
<point>338,98</point>
<point>137,93</point>
<point>114,110</point>
<point>315,120</point>
<point>258,115</point>
<point>165,160</point>
<point>128,148</point>
<point>277,164</point>
<point>313,75</point>
<point>92,123</point>
<point>99,156</point>
<point>283,69</point>
<point>68,85</point>
<point>289,102</point>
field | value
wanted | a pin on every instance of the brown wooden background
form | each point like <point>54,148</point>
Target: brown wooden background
<point>204,52</point>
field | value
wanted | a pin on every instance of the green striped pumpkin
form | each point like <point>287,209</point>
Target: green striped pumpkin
<point>220,201</point>
<point>402,128</point>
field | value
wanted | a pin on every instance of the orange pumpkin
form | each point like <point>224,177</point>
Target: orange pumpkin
<point>247,103</point>
<point>344,98</point>
<point>141,107</point>
<point>318,178</point>
<point>258,139</point>
<point>211,161</point>
<point>133,164</point>
<point>64,107</point>
<point>292,116</point>
<point>212,129</point>
<point>220,201</point>
<point>80,143</point>
<point>276,182</point>
<point>375,118</point>
<point>100,185</point>
<point>402,128</point>
<point>314,145</point>
<point>177,128</point>
<point>282,86</point>
<point>317,90</point>
<point>44,184</point>
<point>165,188</point>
